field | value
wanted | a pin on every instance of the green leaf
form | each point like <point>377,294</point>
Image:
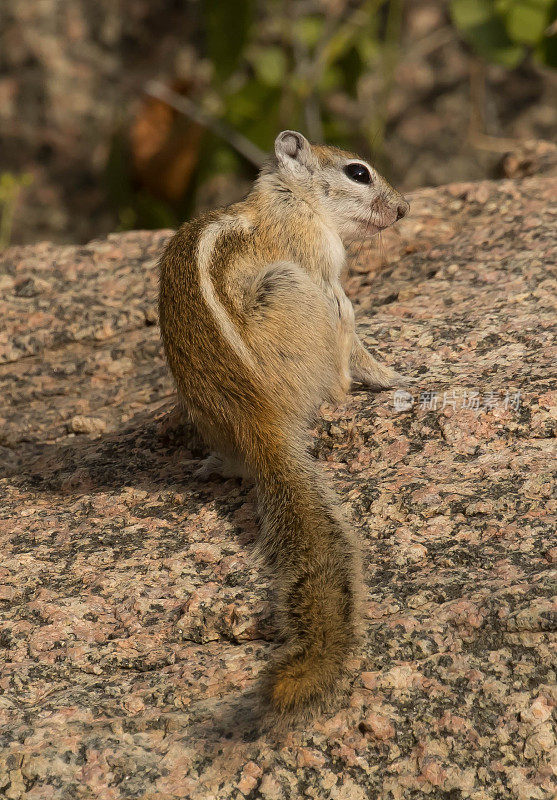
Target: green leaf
<point>331,79</point>
<point>245,104</point>
<point>468,14</point>
<point>225,160</point>
<point>308,30</point>
<point>526,22</point>
<point>547,49</point>
<point>254,111</point>
<point>492,42</point>
<point>368,48</point>
<point>502,6</point>
<point>228,26</point>
<point>270,65</point>
<point>485,31</point>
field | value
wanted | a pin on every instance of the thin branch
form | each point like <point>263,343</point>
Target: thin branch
<point>338,31</point>
<point>306,94</point>
<point>391,55</point>
<point>428,44</point>
<point>183,105</point>
<point>493,144</point>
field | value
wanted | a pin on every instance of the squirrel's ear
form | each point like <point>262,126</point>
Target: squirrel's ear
<point>291,147</point>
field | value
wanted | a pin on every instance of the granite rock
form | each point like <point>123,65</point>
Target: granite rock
<point>133,618</point>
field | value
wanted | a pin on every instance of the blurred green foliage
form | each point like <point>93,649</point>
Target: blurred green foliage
<point>10,187</point>
<point>326,70</point>
<point>275,69</point>
<point>504,31</point>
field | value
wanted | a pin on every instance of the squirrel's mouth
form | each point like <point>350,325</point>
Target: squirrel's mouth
<point>382,213</point>
<point>370,226</point>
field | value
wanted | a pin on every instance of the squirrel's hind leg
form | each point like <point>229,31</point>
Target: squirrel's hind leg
<point>223,466</point>
<point>365,369</point>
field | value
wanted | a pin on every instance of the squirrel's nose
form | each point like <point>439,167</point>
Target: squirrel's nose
<point>402,209</point>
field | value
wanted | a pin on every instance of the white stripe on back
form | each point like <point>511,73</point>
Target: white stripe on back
<point>225,325</point>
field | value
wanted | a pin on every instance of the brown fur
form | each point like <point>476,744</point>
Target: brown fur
<point>257,333</point>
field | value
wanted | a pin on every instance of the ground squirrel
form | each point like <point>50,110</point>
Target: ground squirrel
<point>258,333</point>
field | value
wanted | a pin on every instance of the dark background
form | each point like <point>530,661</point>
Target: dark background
<point>431,91</point>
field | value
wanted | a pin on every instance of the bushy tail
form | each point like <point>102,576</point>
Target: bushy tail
<point>315,561</point>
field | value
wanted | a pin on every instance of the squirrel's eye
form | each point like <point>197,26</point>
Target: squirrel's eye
<point>357,172</point>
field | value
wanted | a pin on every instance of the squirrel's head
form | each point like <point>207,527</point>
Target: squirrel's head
<point>352,195</point>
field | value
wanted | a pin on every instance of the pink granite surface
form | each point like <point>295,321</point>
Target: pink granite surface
<point>133,620</point>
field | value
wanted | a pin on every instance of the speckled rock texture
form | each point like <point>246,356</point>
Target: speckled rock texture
<point>134,620</point>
